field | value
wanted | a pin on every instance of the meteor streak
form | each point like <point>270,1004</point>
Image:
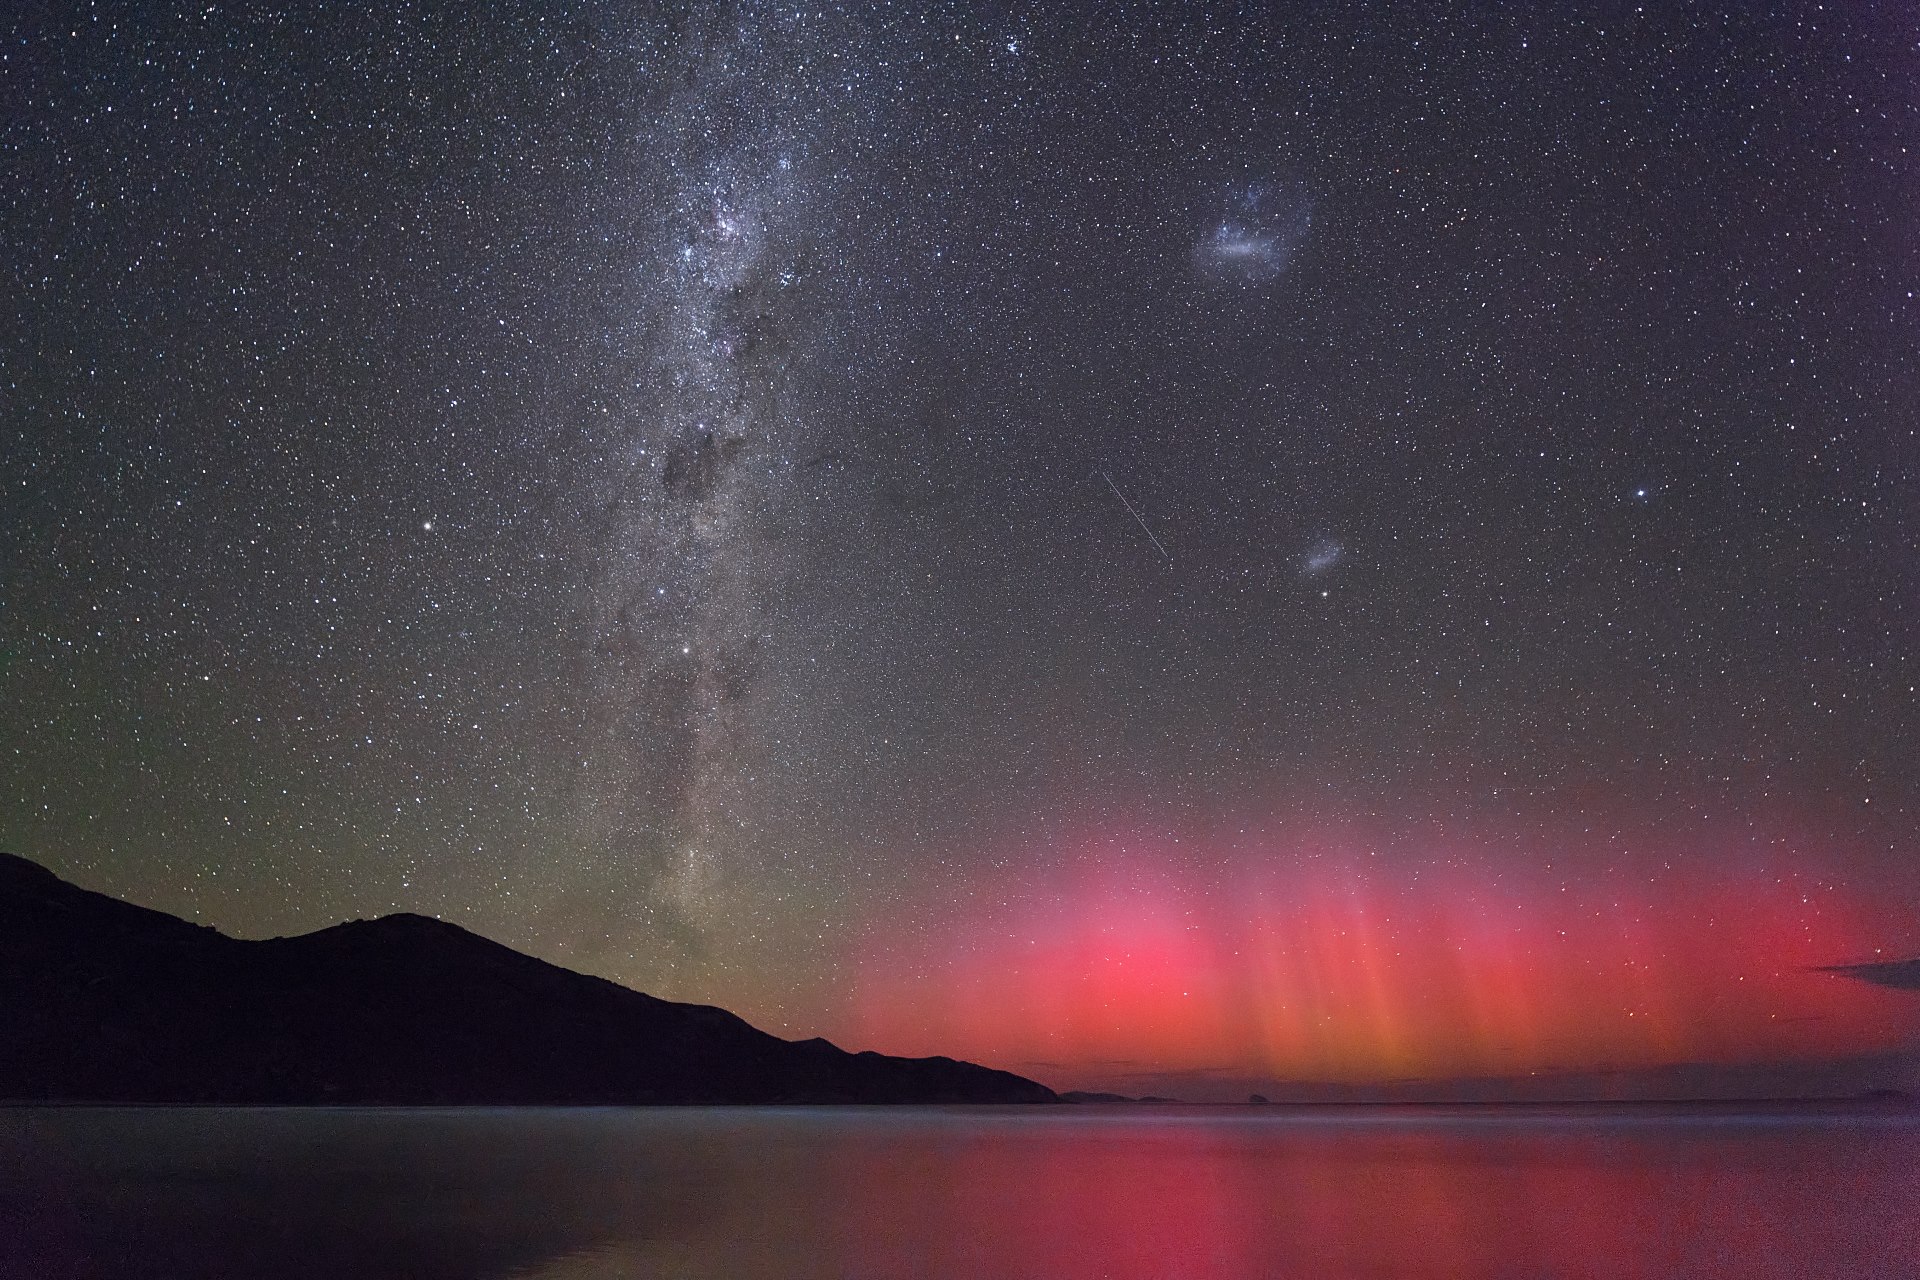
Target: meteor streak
<point>1134,512</point>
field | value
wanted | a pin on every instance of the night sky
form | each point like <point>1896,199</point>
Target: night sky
<point>1143,544</point>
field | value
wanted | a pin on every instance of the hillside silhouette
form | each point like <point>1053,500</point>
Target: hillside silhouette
<point>104,1001</point>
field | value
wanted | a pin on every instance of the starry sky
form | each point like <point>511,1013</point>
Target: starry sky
<point>1165,543</point>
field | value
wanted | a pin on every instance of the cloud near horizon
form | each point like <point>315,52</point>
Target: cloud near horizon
<point>1900,975</point>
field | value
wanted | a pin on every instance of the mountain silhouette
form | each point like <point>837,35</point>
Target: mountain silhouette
<point>104,1001</point>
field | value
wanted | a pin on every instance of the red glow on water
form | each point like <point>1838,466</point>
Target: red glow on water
<point>1280,1198</point>
<point>1321,962</point>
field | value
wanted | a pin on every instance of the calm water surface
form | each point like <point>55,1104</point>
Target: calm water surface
<point>1059,1194</point>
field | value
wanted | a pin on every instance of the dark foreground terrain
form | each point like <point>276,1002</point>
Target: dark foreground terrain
<point>104,1001</point>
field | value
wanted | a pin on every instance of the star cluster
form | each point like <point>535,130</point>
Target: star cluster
<point>749,500</point>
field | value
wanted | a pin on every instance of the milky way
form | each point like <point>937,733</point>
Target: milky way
<point>704,436</point>
<point>642,483</point>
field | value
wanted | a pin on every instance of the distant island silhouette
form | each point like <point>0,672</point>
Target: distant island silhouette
<point>106,1002</point>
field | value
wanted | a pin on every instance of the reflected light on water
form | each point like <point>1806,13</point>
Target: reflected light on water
<point>966,1194</point>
